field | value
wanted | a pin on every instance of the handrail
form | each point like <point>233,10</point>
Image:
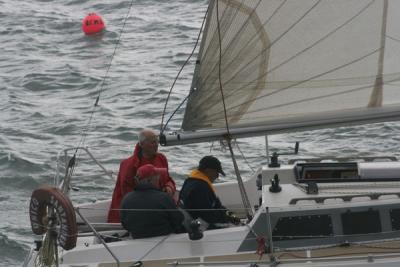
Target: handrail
<point>98,236</point>
<point>343,159</point>
<point>372,196</point>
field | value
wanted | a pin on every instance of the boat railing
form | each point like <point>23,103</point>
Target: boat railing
<point>98,236</point>
<point>66,162</point>
<point>343,159</point>
<point>28,257</point>
<point>367,258</point>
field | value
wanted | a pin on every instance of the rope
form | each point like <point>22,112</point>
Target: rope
<point>173,113</point>
<point>162,126</point>
<point>219,70</point>
<point>242,190</point>
<point>87,127</point>
<point>245,159</point>
<point>48,253</point>
<point>222,148</point>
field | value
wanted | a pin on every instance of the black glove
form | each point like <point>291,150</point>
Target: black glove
<point>232,217</point>
<point>195,232</point>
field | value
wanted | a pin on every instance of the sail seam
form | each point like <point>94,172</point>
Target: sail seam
<point>291,58</point>
<point>309,79</point>
<point>309,99</point>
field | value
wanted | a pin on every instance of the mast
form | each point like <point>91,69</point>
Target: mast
<point>376,98</point>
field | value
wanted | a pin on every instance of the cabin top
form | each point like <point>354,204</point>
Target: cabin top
<point>325,184</point>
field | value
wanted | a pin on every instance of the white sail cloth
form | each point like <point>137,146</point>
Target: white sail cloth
<point>291,62</point>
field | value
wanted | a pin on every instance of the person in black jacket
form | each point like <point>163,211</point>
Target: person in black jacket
<point>198,197</point>
<point>147,211</point>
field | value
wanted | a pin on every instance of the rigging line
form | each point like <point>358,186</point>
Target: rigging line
<point>211,146</point>
<point>295,55</point>
<point>245,159</point>
<point>393,38</point>
<point>105,76</point>
<point>242,190</point>
<point>173,113</point>
<point>219,71</point>
<point>306,80</point>
<point>162,126</point>
<point>87,127</point>
<point>191,91</point>
<point>106,145</point>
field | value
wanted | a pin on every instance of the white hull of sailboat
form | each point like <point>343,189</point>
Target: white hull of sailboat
<point>237,245</point>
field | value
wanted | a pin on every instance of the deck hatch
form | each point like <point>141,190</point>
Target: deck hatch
<point>326,172</point>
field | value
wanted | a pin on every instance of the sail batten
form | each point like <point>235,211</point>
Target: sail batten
<point>286,59</point>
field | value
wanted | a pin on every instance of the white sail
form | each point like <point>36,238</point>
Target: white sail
<point>289,64</point>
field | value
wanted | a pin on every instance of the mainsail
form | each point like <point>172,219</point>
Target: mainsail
<point>288,65</point>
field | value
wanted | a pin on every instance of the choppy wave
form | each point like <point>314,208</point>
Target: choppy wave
<point>14,165</point>
<point>12,252</point>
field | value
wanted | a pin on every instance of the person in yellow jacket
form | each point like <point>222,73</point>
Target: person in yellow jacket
<point>198,197</point>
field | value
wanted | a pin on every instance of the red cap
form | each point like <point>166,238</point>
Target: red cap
<point>148,170</point>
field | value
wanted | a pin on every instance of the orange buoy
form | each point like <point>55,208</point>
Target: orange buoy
<point>92,24</point>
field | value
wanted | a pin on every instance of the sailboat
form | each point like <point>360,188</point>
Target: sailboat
<point>267,67</point>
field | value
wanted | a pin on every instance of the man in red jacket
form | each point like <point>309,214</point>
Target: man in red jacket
<point>145,153</point>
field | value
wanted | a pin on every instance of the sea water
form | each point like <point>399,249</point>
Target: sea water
<point>51,75</point>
